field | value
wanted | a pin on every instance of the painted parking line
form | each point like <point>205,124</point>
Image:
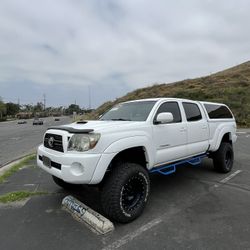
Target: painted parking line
<point>228,178</point>
<point>129,237</point>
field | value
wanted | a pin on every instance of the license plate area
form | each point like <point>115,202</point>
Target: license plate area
<point>46,161</point>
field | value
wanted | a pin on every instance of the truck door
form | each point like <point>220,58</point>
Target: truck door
<point>197,129</point>
<point>170,139</point>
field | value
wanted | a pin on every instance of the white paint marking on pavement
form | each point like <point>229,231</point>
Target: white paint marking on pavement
<point>240,132</point>
<point>129,237</point>
<point>15,138</point>
<point>230,176</point>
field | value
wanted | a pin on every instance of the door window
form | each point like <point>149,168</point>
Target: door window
<point>171,107</point>
<point>192,111</point>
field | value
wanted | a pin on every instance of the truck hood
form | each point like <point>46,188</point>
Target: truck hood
<point>104,126</point>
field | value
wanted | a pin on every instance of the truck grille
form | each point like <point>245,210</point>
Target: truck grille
<point>53,142</point>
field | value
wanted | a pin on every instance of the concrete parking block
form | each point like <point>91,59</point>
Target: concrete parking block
<point>95,221</point>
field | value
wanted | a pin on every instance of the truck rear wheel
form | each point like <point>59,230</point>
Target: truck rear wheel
<point>223,158</point>
<point>125,192</point>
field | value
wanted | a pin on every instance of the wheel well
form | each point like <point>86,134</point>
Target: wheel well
<point>227,138</point>
<point>133,155</point>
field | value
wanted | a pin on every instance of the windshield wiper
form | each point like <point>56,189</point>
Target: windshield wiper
<point>120,119</point>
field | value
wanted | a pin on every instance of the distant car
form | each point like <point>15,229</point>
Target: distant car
<point>37,121</point>
<point>57,119</point>
<point>22,122</point>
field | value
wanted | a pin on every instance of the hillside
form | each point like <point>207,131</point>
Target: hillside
<point>231,86</point>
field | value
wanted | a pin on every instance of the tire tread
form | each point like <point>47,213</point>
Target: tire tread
<point>110,192</point>
<point>218,158</point>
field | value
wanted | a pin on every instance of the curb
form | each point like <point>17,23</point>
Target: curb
<point>28,153</point>
<point>243,131</point>
<point>9,165</point>
<point>82,213</point>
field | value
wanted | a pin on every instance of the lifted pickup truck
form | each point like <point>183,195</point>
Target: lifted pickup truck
<point>133,139</point>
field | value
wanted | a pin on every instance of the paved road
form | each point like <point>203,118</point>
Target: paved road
<point>19,139</point>
<point>195,208</point>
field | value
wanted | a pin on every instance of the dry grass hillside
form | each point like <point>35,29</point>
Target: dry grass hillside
<point>231,86</point>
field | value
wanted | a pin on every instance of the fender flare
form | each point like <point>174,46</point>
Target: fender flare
<point>116,147</point>
<point>222,132</point>
<point>131,142</point>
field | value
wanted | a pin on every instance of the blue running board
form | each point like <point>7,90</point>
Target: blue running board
<point>171,168</point>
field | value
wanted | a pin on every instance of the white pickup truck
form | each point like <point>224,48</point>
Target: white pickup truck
<point>132,139</point>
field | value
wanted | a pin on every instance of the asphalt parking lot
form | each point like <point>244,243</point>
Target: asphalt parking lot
<point>17,140</point>
<point>194,208</point>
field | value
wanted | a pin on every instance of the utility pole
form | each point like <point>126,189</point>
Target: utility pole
<point>89,97</point>
<point>44,101</point>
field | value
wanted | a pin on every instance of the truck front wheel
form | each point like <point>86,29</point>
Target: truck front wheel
<point>125,192</point>
<point>223,158</point>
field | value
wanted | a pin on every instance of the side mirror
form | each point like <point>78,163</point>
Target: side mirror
<point>165,117</point>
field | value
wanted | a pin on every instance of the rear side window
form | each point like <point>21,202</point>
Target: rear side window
<point>171,107</point>
<point>192,112</point>
<point>218,111</point>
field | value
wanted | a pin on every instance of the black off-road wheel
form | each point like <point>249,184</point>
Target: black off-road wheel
<point>125,192</point>
<point>223,158</point>
<point>63,184</point>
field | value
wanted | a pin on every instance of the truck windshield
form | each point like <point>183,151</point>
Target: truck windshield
<point>130,111</point>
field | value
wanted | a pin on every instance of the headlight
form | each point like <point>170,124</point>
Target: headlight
<point>83,142</point>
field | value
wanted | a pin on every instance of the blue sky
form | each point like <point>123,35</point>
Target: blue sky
<point>64,47</point>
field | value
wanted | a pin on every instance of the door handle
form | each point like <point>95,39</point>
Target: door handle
<point>204,127</point>
<point>183,129</point>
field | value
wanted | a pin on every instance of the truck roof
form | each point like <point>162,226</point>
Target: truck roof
<point>171,99</point>
<point>155,99</point>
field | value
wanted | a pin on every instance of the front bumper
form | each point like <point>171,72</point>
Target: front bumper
<point>73,167</point>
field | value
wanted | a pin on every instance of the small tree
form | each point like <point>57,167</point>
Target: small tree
<point>73,108</point>
<point>38,107</point>
<point>27,108</point>
<point>2,109</point>
<point>12,109</point>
